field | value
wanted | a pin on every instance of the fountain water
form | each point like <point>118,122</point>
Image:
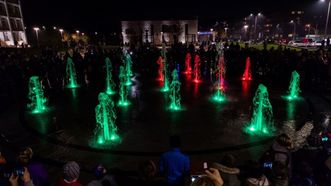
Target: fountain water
<point>105,116</point>
<point>128,68</point>
<point>294,88</point>
<point>71,74</point>
<point>165,87</point>
<point>188,68</point>
<point>36,96</point>
<point>123,89</point>
<point>161,68</point>
<point>197,70</point>
<point>247,76</point>
<point>219,96</point>
<point>175,92</point>
<point>110,85</point>
<point>262,119</point>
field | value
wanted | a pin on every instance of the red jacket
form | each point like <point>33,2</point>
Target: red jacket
<point>63,183</point>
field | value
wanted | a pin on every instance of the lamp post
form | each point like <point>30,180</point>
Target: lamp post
<point>255,23</point>
<point>327,18</point>
<point>61,31</point>
<point>294,28</point>
<point>36,29</point>
<point>245,27</point>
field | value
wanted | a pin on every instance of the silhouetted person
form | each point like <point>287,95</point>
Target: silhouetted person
<point>174,165</point>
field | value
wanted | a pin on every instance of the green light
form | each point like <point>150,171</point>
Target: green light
<point>262,119</point>
<point>165,87</point>
<point>294,88</point>
<point>71,74</point>
<point>105,118</point>
<point>110,85</point>
<point>123,89</point>
<point>36,96</point>
<point>219,96</point>
<point>175,92</point>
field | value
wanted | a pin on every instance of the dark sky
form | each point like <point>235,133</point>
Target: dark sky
<point>102,15</point>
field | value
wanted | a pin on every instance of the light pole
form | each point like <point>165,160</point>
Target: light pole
<point>327,18</point>
<point>246,27</point>
<point>61,31</point>
<point>294,27</point>
<point>255,23</point>
<point>36,29</point>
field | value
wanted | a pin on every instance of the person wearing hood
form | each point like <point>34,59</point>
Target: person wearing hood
<point>228,170</point>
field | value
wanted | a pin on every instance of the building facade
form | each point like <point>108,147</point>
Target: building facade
<point>157,32</point>
<point>12,30</point>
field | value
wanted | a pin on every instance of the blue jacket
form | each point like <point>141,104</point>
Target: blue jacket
<point>175,166</point>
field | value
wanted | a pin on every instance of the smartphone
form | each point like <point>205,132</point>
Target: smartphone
<point>194,177</point>
<point>267,165</point>
<point>205,166</point>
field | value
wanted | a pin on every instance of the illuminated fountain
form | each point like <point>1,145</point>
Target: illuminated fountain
<point>110,85</point>
<point>221,73</point>
<point>36,96</point>
<point>71,74</point>
<point>123,89</point>
<point>128,68</point>
<point>197,70</point>
<point>262,119</point>
<point>219,96</point>
<point>294,88</point>
<point>161,69</point>
<point>247,76</point>
<point>165,87</point>
<point>188,68</point>
<point>105,115</point>
<point>175,92</point>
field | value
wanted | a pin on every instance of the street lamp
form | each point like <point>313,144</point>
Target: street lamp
<point>61,31</point>
<point>255,23</point>
<point>294,27</point>
<point>77,31</point>
<point>36,29</point>
<point>245,27</point>
<point>327,17</point>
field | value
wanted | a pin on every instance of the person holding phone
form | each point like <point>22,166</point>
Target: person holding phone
<point>25,178</point>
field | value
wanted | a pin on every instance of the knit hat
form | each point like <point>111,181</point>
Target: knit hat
<point>71,171</point>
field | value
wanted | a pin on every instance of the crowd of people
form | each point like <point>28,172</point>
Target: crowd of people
<point>279,165</point>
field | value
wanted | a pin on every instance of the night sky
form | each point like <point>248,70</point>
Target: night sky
<point>102,15</point>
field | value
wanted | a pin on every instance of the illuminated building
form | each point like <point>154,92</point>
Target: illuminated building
<point>12,30</point>
<point>157,32</point>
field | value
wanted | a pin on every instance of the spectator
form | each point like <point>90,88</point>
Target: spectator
<point>281,147</point>
<point>101,177</point>
<point>256,176</point>
<point>147,172</point>
<point>36,169</point>
<point>306,177</point>
<point>71,172</point>
<point>279,174</point>
<point>212,178</point>
<point>26,179</point>
<point>174,165</point>
<point>228,170</point>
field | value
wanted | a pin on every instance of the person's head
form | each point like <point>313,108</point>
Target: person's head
<point>255,170</point>
<point>175,141</point>
<point>24,156</point>
<point>100,171</point>
<point>203,181</point>
<point>229,161</point>
<point>305,170</point>
<point>71,171</point>
<point>147,169</point>
<point>284,140</point>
